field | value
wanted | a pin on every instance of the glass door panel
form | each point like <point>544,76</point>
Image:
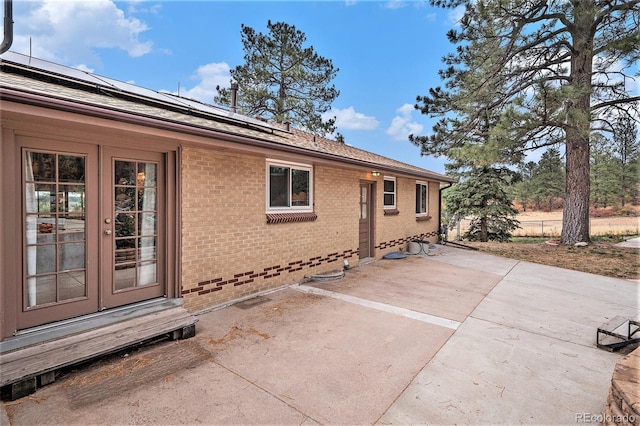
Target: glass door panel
<point>78,258</point>
<point>135,224</point>
<point>59,199</point>
<point>55,227</point>
<point>133,238</point>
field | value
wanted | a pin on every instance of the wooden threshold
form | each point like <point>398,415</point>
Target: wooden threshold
<point>30,358</point>
<point>366,260</point>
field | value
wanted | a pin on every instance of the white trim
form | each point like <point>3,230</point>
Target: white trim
<point>395,192</point>
<point>290,165</point>
<point>425,184</point>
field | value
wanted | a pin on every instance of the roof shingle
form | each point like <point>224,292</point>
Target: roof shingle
<point>29,80</point>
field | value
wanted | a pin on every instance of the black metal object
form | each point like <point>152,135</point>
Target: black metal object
<point>461,245</point>
<point>621,331</point>
<point>445,240</point>
<point>8,26</point>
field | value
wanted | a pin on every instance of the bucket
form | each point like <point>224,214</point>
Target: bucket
<point>418,247</point>
<point>414,247</point>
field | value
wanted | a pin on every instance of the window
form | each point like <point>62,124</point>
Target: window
<point>389,192</point>
<point>422,198</point>
<point>289,187</point>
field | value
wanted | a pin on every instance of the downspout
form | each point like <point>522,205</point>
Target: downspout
<point>440,208</point>
<point>7,41</point>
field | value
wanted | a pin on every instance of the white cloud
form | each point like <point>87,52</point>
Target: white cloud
<point>402,125</point>
<point>395,4</point>
<point>617,72</point>
<point>349,119</point>
<point>455,15</point>
<point>71,30</point>
<point>208,76</point>
<point>633,85</point>
<point>399,4</point>
<point>83,67</point>
<point>143,6</point>
<point>406,110</point>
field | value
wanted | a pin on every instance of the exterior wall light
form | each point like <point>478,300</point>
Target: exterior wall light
<point>374,173</point>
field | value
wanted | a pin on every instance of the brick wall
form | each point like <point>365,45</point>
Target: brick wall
<point>623,403</point>
<point>393,232</point>
<point>228,249</point>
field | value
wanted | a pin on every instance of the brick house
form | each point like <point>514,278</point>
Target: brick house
<point>119,199</point>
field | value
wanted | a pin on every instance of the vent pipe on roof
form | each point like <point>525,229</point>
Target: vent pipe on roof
<point>234,96</point>
<point>287,126</point>
<point>7,41</point>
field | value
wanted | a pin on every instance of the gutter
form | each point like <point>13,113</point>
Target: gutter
<point>7,41</point>
<point>7,94</point>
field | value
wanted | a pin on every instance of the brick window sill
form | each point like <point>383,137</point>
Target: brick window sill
<point>391,212</point>
<point>422,218</point>
<point>290,217</point>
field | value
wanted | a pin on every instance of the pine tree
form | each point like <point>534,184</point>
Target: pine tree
<point>559,68</point>
<point>283,81</point>
<point>627,151</point>
<point>605,173</point>
<point>482,196</point>
<point>523,188</point>
<point>548,179</point>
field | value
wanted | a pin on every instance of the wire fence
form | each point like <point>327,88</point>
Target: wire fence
<point>598,226</point>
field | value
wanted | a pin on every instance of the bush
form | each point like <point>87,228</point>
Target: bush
<point>626,211</point>
<point>600,212</point>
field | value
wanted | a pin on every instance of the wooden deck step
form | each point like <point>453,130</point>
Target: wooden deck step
<point>27,366</point>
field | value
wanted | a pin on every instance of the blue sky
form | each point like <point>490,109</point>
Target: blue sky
<point>387,52</point>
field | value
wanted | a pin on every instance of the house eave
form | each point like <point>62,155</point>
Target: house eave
<point>39,100</point>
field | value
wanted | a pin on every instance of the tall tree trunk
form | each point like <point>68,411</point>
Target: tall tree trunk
<point>484,232</point>
<point>575,216</point>
<point>623,176</point>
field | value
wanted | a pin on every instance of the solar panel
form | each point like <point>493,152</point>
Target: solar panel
<point>212,109</point>
<point>128,88</point>
<point>138,90</point>
<point>61,70</point>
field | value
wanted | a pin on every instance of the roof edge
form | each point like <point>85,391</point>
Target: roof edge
<point>34,99</point>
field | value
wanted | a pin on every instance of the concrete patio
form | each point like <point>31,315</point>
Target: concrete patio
<point>459,337</point>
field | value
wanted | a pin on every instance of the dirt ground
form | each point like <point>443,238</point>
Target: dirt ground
<point>549,224</point>
<point>600,258</point>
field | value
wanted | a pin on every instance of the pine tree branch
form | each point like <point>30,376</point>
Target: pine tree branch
<point>614,102</point>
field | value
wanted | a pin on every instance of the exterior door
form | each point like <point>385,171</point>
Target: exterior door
<point>92,222</point>
<point>59,250</point>
<point>365,248</point>
<point>132,217</point>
